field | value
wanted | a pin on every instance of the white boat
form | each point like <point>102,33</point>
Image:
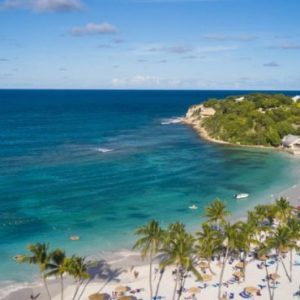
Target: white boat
<point>193,207</point>
<point>241,196</point>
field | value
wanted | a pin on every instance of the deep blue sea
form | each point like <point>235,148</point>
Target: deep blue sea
<point>97,164</point>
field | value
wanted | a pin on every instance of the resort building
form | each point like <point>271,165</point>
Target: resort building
<point>292,143</point>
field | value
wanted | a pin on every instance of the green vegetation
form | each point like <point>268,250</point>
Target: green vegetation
<point>225,241</point>
<point>258,119</point>
<point>55,263</point>
<point>268,229</point>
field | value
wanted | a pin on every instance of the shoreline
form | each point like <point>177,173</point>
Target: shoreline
<point>121,259</point>
<point>202,132</point>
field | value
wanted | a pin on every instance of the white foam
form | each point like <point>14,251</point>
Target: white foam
<point>104,150</point>
<point>8,287</point>
<point>171,121</point>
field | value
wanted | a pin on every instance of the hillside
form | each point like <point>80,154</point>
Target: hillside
<point>253,119</point>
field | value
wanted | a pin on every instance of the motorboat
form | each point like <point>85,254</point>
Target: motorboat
<point>241,196</point>
<point>193,207</point>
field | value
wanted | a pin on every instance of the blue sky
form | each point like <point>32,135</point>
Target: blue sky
<point>172,44</point>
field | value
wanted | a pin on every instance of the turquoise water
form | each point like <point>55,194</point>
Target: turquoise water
<point>100,163</point>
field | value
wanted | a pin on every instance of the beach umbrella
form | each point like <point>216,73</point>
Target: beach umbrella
<point>121,289</point>
<point>251,289</point>
<point>274,276</point>
<point>127,298</point>
<point>284,250</point>
<point>98,296</point>
<point>238,274</point>
<point>203,265</point>
<point>206,277</point>
<point>263,257</point>
<point>194,290</point>
<point>240,265</point>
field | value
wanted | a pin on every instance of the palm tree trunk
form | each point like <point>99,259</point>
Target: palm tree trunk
<point>244,266</point>
<point>291,264</point>
<point>46,287</point>
<point>182,283</point>
<point>209,267</point>
<point>62,287</point>
<point>268,282</point>
<point>84,287</point>
<point>150,274</point>
<point>158,283</point>
<point>77,289</point>
<point>222,272</point>
<point>285,270</point>
<point>176,282</point>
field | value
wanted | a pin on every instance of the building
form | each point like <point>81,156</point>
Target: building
<point>291,143</point>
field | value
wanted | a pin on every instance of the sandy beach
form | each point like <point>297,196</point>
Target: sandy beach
<point>122,273</point>
<point>120,268</point>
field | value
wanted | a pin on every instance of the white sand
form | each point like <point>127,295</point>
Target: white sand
<point>124,276</point>
<point>117,270</point>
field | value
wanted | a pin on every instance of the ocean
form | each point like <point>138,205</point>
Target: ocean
<point>98,164</point>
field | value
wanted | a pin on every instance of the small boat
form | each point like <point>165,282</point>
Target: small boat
<point>74,238</point>
<point>193,207</point>
<point>241,196</point>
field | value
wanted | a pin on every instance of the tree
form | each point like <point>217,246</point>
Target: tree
<point>281,241</point>
<point>77,268</point>
<point>283,210</point>
<point>40,257</point>
<point>58,267</point>
<point>294,230</point>
<point>231,242</point>
<point>208,243</point>
<point>216,212</point>
<point>149,243</point>
<point>178,251</point>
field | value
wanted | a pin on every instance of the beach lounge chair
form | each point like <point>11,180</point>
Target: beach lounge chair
<point>245,295</point>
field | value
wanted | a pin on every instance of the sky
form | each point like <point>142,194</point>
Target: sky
<point>150,44</point>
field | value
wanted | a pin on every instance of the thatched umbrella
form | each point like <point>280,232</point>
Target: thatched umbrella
<point>251,289</point>
<point>206,277</point>
<point>194,290</point>
<point>274,276</point>
<point>203,265</point>
<point>127,298</point>
<point>121,289</point>
<point>240,265</point>
<point>263,257</point>
<point>238,274</point>
<point>98,296</point>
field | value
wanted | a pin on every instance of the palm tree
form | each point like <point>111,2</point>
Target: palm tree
<point>77,268</point>
<point>208,244</point>
<point>58,267</point>
<point>179,252</point>
<point>264,249</point>
<point>281,241</point>
<point>231,243</point>
<point>149,243</point>
<point>247,237</point>
<point>216,212</point>
<point>283,210</point>
<point>40,257</point>
<point>294,230</point>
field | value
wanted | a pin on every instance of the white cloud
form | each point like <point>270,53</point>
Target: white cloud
<point>234,38</point>
<point>94,28</point>
<point>137,81</point>
<point>43,5</point>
